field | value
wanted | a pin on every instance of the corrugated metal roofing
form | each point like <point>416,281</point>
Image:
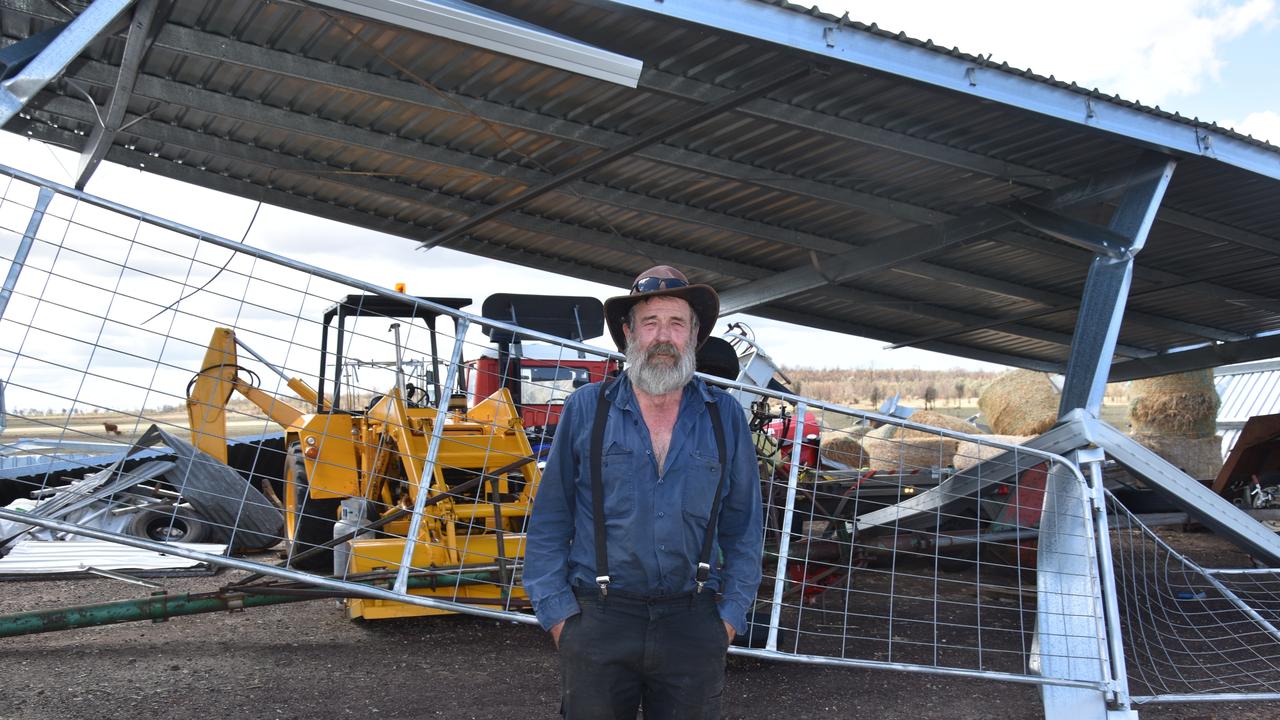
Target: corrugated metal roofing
<point>1245,390</point>
<point>39,557</point>
<point>392,129</point>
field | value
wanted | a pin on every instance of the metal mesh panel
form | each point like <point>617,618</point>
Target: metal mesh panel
<point>1193,632</point>
<point>347,440</point>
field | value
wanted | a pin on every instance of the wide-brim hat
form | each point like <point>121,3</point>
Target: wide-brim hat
<point>663,281</point>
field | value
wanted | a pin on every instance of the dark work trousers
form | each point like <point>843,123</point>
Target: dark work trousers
<point>621,653</point>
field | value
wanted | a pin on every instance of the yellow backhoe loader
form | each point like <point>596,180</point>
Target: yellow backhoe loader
<point>361,470</point>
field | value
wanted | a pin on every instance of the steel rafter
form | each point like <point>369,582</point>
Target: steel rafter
<point>135,47</point>
<point>910,244</point>
<point>18,90</point>
<point>965,319</point>
<point>1213,355</point>
<point>1099,240</point>
<point>783,314</point>
<point>1053,301</point>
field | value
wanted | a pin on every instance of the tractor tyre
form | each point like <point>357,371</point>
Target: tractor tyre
<point>179,525</point>
<point>308,521</point>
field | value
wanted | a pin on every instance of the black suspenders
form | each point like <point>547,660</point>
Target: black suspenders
<point>597,492</point>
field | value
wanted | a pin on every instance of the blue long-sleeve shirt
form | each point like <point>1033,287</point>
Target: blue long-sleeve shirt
<point>655,522</point>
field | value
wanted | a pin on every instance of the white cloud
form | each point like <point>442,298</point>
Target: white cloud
<point>1262,126</point>
<point>1152,51</point>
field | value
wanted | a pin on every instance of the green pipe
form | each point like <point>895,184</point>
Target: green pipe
<point>163,606</point>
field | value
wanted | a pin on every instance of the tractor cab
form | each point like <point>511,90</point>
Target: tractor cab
<point>416,377</point>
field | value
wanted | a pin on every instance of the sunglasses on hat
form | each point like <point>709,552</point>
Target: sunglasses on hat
<point>652,284</point>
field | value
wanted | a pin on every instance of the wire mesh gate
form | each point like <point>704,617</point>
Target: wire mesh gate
<point>191,394</point>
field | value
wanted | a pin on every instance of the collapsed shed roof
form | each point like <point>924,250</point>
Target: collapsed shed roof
<point>813,169</point>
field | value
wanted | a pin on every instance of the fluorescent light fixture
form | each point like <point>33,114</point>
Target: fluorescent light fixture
<point>467,23</point>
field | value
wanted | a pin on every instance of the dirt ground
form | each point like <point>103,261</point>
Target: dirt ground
<point>306,661</point>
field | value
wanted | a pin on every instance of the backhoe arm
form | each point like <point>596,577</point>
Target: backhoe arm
<point>211,389</point>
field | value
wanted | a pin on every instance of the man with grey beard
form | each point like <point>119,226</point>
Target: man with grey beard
<point>643,550</point>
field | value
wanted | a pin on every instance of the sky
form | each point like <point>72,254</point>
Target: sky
<point>1211,59</point>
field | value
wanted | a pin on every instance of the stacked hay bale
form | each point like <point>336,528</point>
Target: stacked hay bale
<point>970,453</point>
<point>1176,417</point>
<point>845,446</point>
<point>1020,402</point>
<point>898,449</point>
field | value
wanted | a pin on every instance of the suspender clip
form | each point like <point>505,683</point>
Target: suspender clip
<point>603,582</point>
<point>704,574</point>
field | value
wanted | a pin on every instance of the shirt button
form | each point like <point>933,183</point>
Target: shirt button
<point>662,514</point>
<point>659,481</point>
<point>662,547</point>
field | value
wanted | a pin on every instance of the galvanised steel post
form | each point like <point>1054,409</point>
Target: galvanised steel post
<point>429,462</point>
<point>24,247</point>
<point>1105,292</point>
<point>784,532</point>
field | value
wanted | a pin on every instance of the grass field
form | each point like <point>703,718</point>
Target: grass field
<point>93,427</point>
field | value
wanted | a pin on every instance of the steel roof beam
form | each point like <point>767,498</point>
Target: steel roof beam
<point>104,132</point>
<point>656,135</point>
<point>18,90</point>
<point>775,312</point>
<point>912,244</point>
<point>931,311</point>
<point>1087,236</point>
<point>1213,355</point>
<point>177,137</point>
<point>1052,300</point>
<point>1164,278</point>
<point>472,244</point>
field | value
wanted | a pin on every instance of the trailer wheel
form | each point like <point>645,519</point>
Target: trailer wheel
<point>180,525</point>
<point>308,522</point>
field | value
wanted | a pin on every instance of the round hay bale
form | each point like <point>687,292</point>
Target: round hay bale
<point>970,453</point>
<point>1201,458</point>
<point>897,449</point>
<point>946,422</point>
<point>1183,404</point>
<point>844,446</point>
<point>1020,402</point>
